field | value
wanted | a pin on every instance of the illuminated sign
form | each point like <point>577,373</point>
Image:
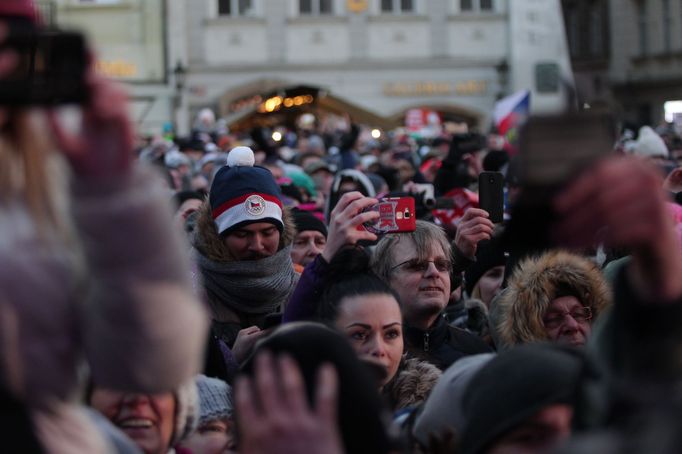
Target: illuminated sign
<point>356,6</point>
<point>116,68</point>
<point>469,87</point>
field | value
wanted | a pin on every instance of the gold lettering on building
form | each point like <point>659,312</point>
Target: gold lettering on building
<point>116,68</point>
<point>428,88</point>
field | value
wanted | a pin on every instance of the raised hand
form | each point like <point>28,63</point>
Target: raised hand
<point>273,413</point>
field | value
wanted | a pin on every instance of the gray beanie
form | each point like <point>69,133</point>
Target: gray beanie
<point>215,399</point>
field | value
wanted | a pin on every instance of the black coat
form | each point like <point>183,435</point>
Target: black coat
<point>442,344</point>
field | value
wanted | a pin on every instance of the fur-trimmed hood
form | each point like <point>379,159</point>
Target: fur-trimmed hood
<point>209,243</point>
<point>412,383</point>
<point>533,286</point>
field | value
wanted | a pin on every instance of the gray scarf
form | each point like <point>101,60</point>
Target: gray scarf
<point>251,286</point>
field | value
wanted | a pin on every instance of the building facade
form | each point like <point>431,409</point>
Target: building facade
<point>627,55</point>
<point>381,57</point>
<point>376,59</point>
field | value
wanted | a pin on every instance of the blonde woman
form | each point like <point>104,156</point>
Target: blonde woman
<point>92,276</point>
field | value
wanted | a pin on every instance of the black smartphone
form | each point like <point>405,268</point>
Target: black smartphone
<point>51,68</point>
<point>491,195</point>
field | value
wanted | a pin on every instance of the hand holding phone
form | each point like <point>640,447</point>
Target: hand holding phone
<point>49,66</point>
<point>345,223</point>
<point>396,215</point>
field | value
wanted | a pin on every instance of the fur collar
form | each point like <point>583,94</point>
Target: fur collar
<point>211,245</point>
<point>412,383</point>
<point>532,287</point>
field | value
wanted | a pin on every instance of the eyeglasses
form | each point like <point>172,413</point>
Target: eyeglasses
<point>420,266</point>
<point>580,315</point>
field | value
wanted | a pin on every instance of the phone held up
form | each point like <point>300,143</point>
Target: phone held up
<point>51,68</point>
<point>396,215</point>
<point>491,195</point>
<point>553,151</point>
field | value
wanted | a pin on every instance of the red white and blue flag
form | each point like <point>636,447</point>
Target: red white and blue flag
<point>509,114</point>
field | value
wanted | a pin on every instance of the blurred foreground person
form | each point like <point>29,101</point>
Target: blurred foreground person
<point>92,272</point>
<point>530,410</point>
<point>154,422</point>
<point>306,392</point>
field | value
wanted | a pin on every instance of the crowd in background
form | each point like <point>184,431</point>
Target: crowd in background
<point>235,292</point>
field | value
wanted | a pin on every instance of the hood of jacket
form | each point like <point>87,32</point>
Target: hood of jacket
<point>534,284</point>
<point>210,244</point>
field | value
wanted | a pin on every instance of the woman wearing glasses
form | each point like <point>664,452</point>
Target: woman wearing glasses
<point>555,297</point>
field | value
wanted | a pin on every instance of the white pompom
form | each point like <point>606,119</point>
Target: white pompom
<point>241,157</point>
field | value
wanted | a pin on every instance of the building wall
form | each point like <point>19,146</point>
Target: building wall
<point>646,66</point>
<point>385,63</point>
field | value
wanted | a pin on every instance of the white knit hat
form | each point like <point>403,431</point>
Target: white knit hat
<point>649,144</point>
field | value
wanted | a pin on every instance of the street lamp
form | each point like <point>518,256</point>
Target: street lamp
<point>179,77</point>
<point>502,77</point>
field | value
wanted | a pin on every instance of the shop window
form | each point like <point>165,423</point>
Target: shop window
<point>471,6</point>
<point>235,8</point>
<point>397,6</point>
<point>315,7</point>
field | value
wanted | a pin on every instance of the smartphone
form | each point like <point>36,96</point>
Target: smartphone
<point>51,68</point>
<point>552,151</point>
<point>272,320</point>
<point>491,195</point>
<point>396,215</point>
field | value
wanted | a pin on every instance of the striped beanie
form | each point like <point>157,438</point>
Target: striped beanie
<point>242,194</point>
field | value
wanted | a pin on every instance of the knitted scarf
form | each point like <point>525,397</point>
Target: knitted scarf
<point>251,286</point>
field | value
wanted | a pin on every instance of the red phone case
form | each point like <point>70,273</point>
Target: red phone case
<point>396,215</point>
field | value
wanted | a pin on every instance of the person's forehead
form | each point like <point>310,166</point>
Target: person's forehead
<point>564,303</point>
<point>307,234</point>
<point>406,249</point>
<point>256,227</point>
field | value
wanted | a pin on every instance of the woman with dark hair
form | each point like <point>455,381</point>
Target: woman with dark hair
<point>367,311</point>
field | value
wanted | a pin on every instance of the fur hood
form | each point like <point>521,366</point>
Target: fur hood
<point>210,244</point>
<point>412,383</point>
<point>534,284</point>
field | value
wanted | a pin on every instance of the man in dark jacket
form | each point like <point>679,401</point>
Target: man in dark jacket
<point>417,266</point>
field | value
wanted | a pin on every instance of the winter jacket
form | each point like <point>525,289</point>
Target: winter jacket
<point>442,344</point>
<point>124,305</point>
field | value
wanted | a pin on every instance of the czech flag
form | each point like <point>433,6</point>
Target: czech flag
<point>509,114</point>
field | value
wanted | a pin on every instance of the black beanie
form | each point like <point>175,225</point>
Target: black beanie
<point>361,415</point>
<point>307,221</point>
<point>489,254</point>
<point>513,387</point>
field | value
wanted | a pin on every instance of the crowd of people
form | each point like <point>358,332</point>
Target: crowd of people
<point>229,292</point>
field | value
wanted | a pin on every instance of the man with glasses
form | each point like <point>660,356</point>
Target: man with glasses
<point>555,298</point>
<point>418,267</point>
